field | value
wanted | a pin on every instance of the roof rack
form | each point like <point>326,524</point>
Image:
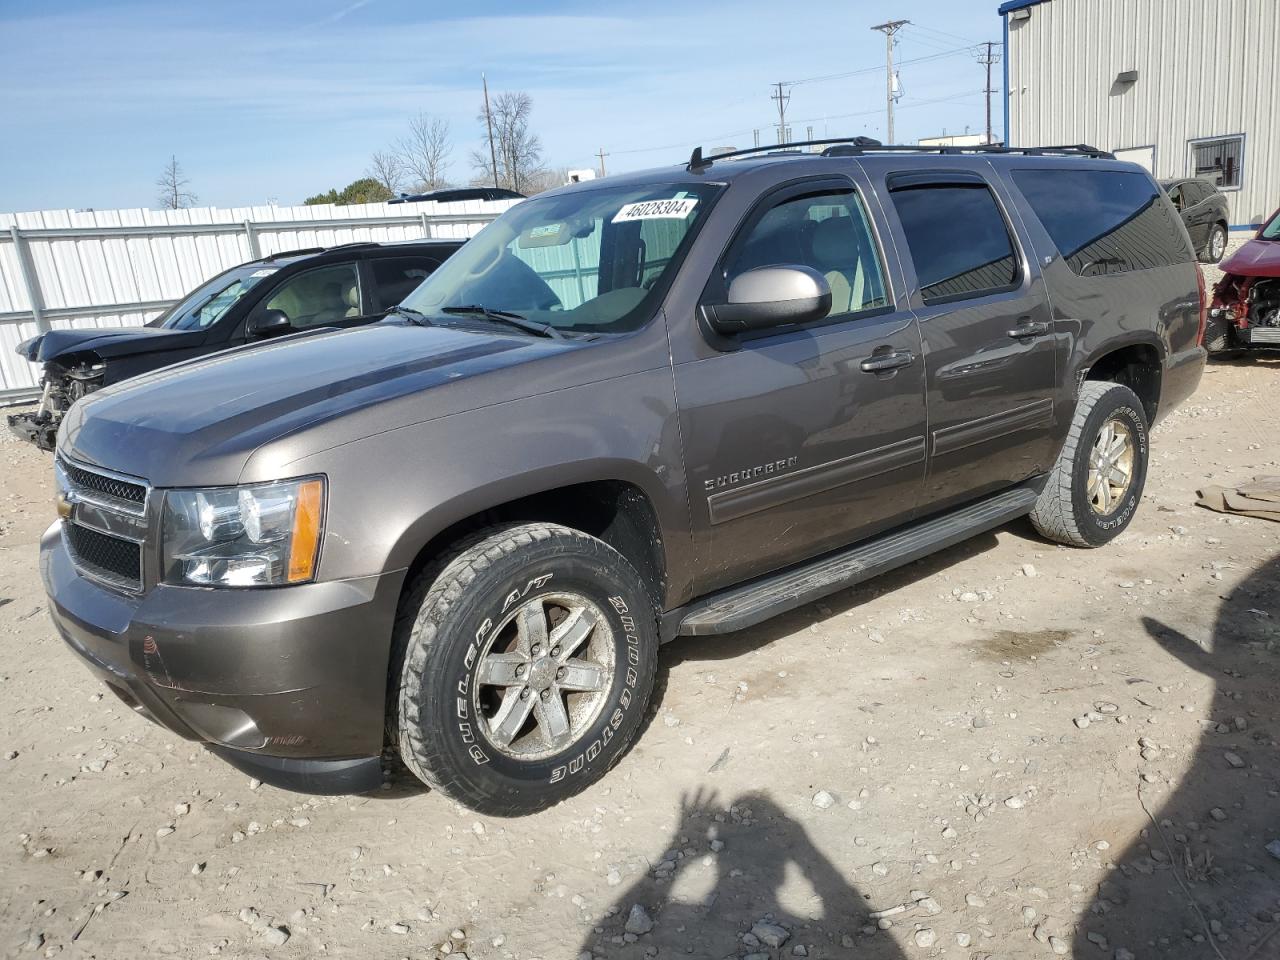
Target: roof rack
<point>304,251</point>
<point>860,146</point>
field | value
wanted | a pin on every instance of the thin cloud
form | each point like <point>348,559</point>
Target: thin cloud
<point>338,15</point>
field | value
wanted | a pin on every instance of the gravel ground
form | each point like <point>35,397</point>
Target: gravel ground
<point>1008,750</point>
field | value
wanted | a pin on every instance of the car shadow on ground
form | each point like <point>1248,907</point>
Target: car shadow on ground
<point>738,878</point>
<point>1200,881</point>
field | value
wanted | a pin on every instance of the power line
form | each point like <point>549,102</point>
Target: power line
<point>867,70</point>
<point>942,33</point>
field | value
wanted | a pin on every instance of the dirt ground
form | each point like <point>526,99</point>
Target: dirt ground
<point>1008,750</point>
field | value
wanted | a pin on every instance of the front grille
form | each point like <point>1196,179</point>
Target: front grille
<point>109,558</point>
<point>110,486</point>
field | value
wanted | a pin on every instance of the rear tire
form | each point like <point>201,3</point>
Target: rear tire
<point>1215,248</point>
<point>529,653</point>
<point>1085,503</point>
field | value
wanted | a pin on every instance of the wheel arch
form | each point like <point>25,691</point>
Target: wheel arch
<point>1137,363</point>
<point>608,502</point>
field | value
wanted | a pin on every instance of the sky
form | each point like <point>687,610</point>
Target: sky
<point>275,100</point>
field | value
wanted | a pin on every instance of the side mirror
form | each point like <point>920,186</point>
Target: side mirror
<point>270,323</point>
<point>770,297</point>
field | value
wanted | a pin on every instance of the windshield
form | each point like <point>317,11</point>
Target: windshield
<point>207,304</point>
<point>587,261</point>
<point>1272,230</point>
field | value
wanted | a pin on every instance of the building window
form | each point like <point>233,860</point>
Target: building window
<point>1220,160</point>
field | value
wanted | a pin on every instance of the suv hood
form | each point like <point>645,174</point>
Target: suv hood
<point>107,342</point>
<point>1257,258</point>
<point>197,423</point>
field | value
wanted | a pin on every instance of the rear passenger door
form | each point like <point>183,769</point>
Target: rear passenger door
<point>988,337</point>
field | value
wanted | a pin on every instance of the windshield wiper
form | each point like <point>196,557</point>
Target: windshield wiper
<point>509,318</point>
<point>412,315</point>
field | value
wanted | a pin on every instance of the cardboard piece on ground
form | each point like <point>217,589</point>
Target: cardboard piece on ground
<point>1259,499</point>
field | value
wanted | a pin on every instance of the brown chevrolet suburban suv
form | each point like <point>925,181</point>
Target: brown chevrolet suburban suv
<point>659,404</point>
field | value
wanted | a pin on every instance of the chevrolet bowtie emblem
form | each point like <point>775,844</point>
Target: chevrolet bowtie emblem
<point>64,506</point>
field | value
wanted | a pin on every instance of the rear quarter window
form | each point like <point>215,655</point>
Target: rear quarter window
<point>1104,221</point>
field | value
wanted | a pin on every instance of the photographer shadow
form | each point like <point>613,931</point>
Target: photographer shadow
<point>735,880</point>
<point>1203,879</point>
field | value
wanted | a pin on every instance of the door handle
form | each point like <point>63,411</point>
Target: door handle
<point>880,362</point>
<point>1029,328</point>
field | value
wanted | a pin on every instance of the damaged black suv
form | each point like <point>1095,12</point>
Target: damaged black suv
<point>341,286</point>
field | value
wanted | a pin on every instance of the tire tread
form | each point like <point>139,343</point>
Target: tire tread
<point>423,610</point>
<point>1053,515</point>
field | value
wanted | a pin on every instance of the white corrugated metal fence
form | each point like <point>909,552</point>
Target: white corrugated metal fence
<point>111,268</point>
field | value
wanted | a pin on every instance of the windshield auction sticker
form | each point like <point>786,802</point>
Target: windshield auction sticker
<point>677,208</point>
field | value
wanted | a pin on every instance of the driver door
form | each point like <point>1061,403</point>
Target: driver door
<point>804,438</point>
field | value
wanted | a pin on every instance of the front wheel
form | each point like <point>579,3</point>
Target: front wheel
<point>1215,247</point>
<point>529,657</point>
<point>1095,486</point>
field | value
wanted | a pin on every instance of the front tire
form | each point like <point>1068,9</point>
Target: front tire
<point>1215,248</point>
<point>529,654</point>
<point>1096,484</point>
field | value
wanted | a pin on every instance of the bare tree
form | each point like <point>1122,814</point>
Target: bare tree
<point>387,168</point>
<point>519,151</point>
<point>424,153</point>
<point>173,193</point>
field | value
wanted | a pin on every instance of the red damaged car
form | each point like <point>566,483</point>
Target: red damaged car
<point>1246,302</point>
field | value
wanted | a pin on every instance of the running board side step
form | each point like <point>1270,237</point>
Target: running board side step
<point>744,606</point>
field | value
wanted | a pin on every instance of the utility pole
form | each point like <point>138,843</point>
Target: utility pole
<point>782,100</point>
<point>488,119</point>
<point>988,59</point>
<point>601,154</point>
<point>889,29</point>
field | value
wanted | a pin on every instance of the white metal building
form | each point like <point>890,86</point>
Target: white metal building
<point>1184,87</point>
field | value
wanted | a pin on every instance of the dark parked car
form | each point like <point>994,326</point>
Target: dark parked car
<point>664,404</point>
<point>454,194</point>
<point>342,286</point>
<point>1203,209</point>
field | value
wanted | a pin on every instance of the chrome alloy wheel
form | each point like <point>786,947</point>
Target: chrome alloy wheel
<point>544,676</point>
<point>1110,466</point>
<point>1218,245</point>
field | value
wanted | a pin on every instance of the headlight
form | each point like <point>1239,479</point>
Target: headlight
<point>262,535</point>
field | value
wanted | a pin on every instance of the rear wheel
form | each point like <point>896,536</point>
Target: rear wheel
<point>1096,484</point>
<point>1215,248</point>
<point>529,657</point>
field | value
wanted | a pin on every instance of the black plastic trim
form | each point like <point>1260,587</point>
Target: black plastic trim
<point>787,487</point>
<point>1037,414</point>
<point>324,777</point>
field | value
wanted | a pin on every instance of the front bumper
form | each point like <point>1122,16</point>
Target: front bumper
<point>288,684</point>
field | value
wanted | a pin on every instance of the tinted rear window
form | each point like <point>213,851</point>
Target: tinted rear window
<point>1104,221</point>
<point>959,243</point>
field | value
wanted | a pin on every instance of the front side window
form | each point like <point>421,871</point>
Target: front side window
<point>595,260</point>
<point>827,231</point>
<point>319,297</point>
<point>1104,221</point>
<point>1221,161</point>
<point>209,303</point>
<point>958,240</point>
